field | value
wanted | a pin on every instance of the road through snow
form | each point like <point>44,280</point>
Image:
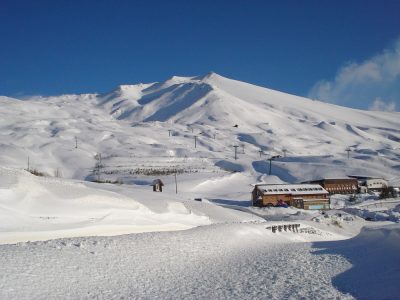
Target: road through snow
<point>222,261</point>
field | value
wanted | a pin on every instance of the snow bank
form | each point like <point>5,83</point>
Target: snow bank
<point>41,208</point>
<point>377,211</point>
<point>375,259</point>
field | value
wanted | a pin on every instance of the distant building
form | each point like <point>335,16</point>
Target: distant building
<point>337,185</point>
<point>304,196</point>
<point>157,185</point>
<point>374,184</point>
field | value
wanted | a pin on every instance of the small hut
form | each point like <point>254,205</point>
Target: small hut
<point>157,185</point>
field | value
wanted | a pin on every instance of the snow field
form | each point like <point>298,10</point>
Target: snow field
<point>129,127</point>
<point>217,261</point>
<point>40,208</point>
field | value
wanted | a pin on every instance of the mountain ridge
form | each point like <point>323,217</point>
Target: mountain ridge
<point>222,112</point>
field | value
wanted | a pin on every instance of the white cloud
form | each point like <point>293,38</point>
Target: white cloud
<point>365,84</point>
<point>379,104</point>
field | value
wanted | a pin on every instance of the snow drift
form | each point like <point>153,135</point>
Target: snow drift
<point>36,208</point>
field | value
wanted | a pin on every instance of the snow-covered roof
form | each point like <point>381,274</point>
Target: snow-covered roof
<point>293,189</point>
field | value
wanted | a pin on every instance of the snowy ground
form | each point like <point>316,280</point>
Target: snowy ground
<point>223,261</point>
<point>229,252</point>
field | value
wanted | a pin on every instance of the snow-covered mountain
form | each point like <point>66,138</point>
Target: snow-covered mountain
<point>132,124</point>
<point>183,131</point>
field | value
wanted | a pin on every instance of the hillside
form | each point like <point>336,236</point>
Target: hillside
<point>130,127</point>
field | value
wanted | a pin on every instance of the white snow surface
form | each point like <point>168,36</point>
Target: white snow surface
<point>41,208</point>
<point>225,261</point>
<point>130,127</point>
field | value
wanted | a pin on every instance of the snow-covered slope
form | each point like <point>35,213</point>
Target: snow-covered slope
<point>131,126</point>
<point>42,208</point>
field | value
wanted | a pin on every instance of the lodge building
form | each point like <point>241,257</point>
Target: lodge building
<point>337,185</point>
<point>304,196</point>
<point>366,183</point>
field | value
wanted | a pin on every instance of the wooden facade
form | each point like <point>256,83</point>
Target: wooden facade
<point>338,186</point>
<point>304,196</point>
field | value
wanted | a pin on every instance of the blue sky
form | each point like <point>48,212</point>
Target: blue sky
<point>345,52</point>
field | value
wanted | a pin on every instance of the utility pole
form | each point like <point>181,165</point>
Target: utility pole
<point>260,151</point>
<point>176,185</point>
<point>270,166</point>
<point>243,148</point>
<point>28,164</point>
<point>270,162</point>
<point>235,151</point>
<point>348,152</point>
<point>76,142</point>
<point>169,132</point>
<point>195,141</point>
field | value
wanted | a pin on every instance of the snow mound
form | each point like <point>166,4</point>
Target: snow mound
<point>41,208</point>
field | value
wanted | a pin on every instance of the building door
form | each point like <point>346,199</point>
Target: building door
<point>298,203</point>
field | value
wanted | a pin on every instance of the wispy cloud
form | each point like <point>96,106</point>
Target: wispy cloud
<point>373,83</point>
<point>379,104</point>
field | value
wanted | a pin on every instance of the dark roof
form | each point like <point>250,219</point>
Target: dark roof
<point>157,182</point>
<point>330,180</point>
<point>365,177</point>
